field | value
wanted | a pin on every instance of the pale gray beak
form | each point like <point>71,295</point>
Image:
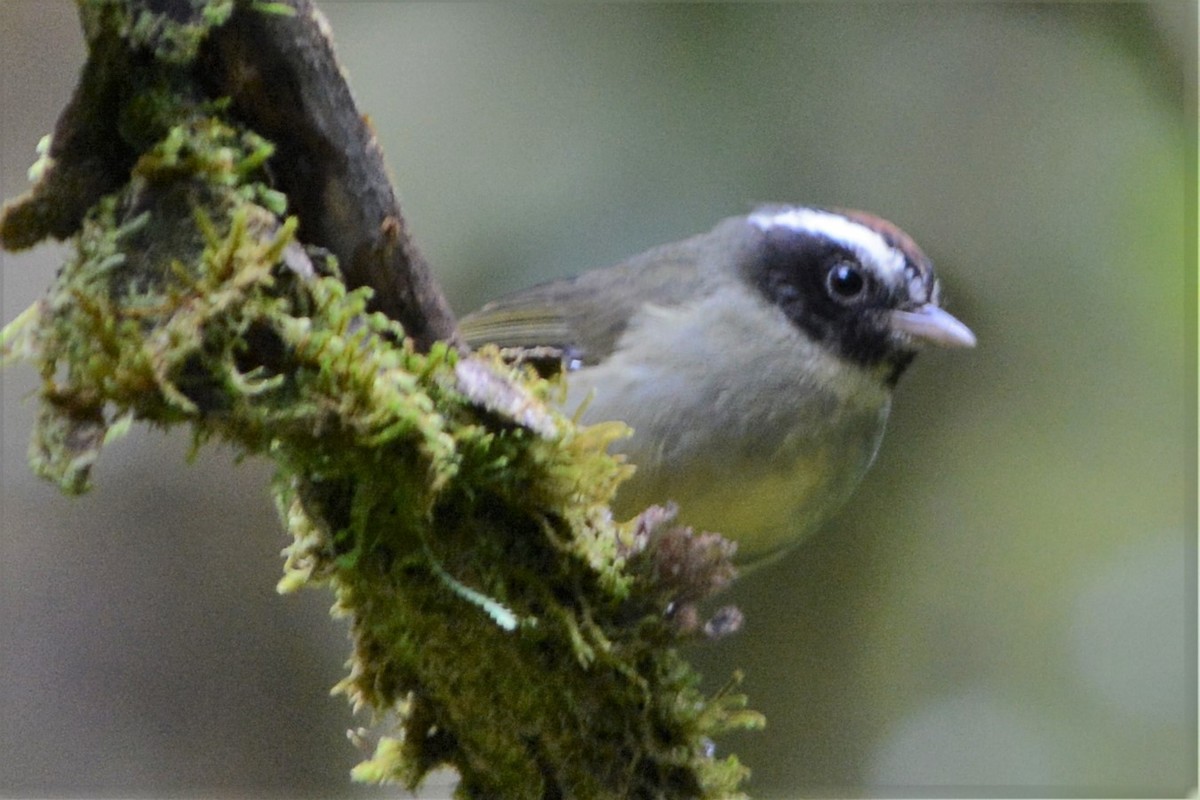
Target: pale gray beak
<point>932,325</point>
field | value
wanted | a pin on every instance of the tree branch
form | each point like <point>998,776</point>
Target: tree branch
<point>511,626</point>
<point>283,78</point>
<point>285,82</point>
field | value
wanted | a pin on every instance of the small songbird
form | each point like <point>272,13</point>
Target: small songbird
<point>755,363</point>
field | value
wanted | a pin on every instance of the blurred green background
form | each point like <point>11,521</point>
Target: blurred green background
<point>1008,607</point>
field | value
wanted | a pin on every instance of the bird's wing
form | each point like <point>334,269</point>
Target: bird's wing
<point>584,317</point>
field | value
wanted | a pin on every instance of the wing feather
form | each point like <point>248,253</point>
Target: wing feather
<point>585,316</point>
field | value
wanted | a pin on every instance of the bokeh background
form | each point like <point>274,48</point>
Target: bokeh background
<point>1008,606</point>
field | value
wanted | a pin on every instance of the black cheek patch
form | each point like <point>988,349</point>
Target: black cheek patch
<point>790,273</point>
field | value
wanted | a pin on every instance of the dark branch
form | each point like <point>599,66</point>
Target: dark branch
<point>286,83</point>
<point>510,624</point>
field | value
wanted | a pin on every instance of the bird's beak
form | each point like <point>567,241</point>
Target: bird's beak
<point>932,325</point>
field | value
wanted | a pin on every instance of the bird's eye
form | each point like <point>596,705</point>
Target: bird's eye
<point>846,282</point>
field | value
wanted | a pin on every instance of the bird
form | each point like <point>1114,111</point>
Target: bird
<point>755,363</point>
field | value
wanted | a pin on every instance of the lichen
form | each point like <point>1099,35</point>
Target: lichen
<point>500,616</point>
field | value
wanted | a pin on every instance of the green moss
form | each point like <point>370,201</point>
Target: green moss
<point>174,38</point>
<point>516,631</point>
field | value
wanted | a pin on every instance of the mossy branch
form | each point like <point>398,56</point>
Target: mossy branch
<point>223,215</point>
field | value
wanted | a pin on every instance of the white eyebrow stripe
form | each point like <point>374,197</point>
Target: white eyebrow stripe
<point>868,244</point>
